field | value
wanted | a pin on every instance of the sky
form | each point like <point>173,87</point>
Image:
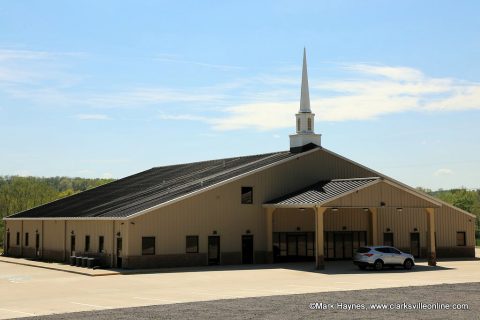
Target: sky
<point>111,88</point>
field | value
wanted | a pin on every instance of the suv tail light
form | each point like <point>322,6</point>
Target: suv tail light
<point>368,254</point>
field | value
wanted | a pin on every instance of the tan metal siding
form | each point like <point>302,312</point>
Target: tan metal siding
<point>220,209</point>
<point>352,219</point>
<point>381,192</point>
<point>448,221</point>
<point>402,224</point>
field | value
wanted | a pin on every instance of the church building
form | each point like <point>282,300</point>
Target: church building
<point>304,204</point>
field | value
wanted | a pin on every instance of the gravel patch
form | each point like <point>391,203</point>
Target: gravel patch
<point>298,306</point>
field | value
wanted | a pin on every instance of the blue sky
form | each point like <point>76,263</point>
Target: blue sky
<point>110,88</point>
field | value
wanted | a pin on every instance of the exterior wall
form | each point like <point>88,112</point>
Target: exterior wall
<point>448,221</point>
<point>374,195</point>
<point>14,226</point>
<point>220,210</point>
<point>54,240</point>
<point>288,220</point>
<point>401,224</point>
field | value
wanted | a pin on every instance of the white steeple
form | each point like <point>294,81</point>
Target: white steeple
<point>305,137</point>
<point>304,96</point>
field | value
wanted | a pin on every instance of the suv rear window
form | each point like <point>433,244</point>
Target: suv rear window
<point>363,250</point>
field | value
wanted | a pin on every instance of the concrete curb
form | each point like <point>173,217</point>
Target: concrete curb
<point>106,273</point>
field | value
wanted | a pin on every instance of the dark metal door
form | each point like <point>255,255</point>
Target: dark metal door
<point>8,242</point>
<point>415,244</point>
<point>37,245</point>
<point>213,250</point>
<point>72,245</point>
<point>119,252</point>
<point>247,249</point>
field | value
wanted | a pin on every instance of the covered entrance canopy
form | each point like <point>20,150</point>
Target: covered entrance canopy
<point>365,194</point>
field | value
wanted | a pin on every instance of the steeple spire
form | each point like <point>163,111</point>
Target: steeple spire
<point>305,138</point>
<point>304,96</point>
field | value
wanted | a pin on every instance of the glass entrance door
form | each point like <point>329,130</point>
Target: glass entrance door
<point>341,245</point>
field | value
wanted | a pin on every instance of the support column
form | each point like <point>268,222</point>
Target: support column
<point>432,256</point>
<point>269,233</point>
<point>319,236</point>
<point>373,226</point>
<point>65,255</point>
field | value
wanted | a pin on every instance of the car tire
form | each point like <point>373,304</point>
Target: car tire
<point>408,264</point>
<point>362,267</point>
<point>378,265</point>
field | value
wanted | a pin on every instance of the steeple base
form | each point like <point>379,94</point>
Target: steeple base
<point>301,142</point>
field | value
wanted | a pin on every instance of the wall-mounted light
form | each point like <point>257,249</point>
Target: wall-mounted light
<point>118,234</point>
<point>365,209</point>
<point>121,223</point>
<point>388,229</point>
<point>334,209</point>
<point>132,222</point>
<point>301,209</point>
<point>382,204</point>
<point>214,232</point>
<point>36,231</point>
<point>399,209</point>
<point>73,232</point>
<point>298,228</point>
<point>248,231</point>
<point>415,229</point>
<point>344,228</point>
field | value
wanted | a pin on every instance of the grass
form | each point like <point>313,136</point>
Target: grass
<point>478,242</point>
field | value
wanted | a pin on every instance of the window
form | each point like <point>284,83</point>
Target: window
<point>148,246</point>
<point>388,239</point>
<point>192,244</point>
<point>26,239</point>
<point>87,243</point>
<point>309,124</point>
<point>101,246</point>
<point>394,251</point>
<point>298,125</point>
<point>18,238</point>
<point>247,195</point>
<point>461,238</point>
<point>383,250</point>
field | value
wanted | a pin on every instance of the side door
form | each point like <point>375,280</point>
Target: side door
<point>396,256</point>
<point>385,255</point>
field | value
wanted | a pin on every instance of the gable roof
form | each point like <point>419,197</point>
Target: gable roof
<point>125,197</point>
<point>402,185</point>
<point>322,191</point>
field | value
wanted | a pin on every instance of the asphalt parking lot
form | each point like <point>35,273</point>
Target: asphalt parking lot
<point>463,301</point>
<point>28,291</point>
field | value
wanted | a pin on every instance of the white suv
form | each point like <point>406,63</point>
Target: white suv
<point>379,256</point>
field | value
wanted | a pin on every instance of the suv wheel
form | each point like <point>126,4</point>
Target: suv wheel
<point>378,265</point>
<point>408,264</point>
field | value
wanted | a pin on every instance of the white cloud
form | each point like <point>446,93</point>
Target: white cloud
<point>443,172</point>
<point>92,117</point>
<point>261,102</point>
<point>364,97</point>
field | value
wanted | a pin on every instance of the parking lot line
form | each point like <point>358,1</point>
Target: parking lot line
<point>15,311</point>
<point>92,305</point>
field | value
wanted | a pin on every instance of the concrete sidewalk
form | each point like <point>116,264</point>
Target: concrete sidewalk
<point>60,267</point>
